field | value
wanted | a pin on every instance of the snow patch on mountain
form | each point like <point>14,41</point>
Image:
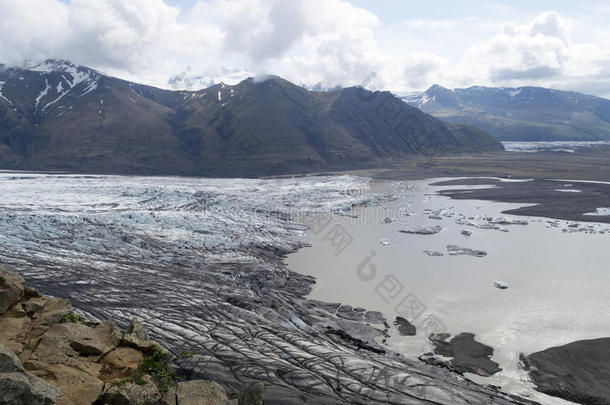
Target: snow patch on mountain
<point>92,86</point>
<point>71,76</point>
<point>2,95</point>
<point>42,93</point>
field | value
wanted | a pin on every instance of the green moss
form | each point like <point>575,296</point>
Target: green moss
<point>186,354</point>
<point>72,317</point>
<point>157,365</point>
<point>135,378</point>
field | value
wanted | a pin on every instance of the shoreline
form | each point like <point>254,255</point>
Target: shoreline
<point>326,282</point>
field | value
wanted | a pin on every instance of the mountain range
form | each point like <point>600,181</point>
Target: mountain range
<point>62,116</point>
<point>520,114</point>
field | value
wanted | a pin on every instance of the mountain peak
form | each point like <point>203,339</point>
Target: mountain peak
<point>437,88</point>
<point>55,65</point>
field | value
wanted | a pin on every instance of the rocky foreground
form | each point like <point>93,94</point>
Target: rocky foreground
<point>50,355</point>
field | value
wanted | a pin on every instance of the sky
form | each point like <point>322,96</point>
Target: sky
<point>397,45</point>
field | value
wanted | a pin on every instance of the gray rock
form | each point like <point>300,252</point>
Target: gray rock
<point>137,331</point>
<point>23,389</point>
<point>405,327</point>
<point>19,388</point>
<point>11,289</point>
<point>33,306</point>
<point>9,363</point>
<point>200,392</point>
<point>137,337</point>
<point>146,393</point>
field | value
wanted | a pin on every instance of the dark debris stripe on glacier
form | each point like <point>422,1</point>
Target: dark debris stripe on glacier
<point>200,263</point>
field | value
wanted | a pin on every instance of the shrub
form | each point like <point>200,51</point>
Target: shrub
<point>72,317</point>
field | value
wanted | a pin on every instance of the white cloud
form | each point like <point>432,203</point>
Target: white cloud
<point>435,25</point>
<point>325,42</point>
<point>540,52</point>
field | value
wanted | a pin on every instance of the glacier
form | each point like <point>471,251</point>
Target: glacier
<point>201,263</point>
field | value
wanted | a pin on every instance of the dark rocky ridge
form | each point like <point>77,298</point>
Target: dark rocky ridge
<point>60,116</point>
<point>521,114</point>
<point>578,371</point>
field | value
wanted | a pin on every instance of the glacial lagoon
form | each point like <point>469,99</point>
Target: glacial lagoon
<point>557,273</point>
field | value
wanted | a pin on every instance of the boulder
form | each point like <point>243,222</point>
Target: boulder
<point>13,332</point>
<point>138,338</point>
<point>75,339</point>
<point>405,328</point>
<point>120,363</point>
<point>19,388</point>
<point>34,306</point>
<point>9,363</point>
<point>199,392</point>
<point>11,290</point>
<point>55,309</point>
<point>24,389</point>
<point>78,386</point>
<point>141,392</point>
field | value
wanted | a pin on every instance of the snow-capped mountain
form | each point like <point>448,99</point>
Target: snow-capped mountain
<point>51,84</point>
<point>520,114</point>
<point>61,116</point>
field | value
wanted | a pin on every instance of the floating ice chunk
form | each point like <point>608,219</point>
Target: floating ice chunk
<point>433,253</point>
<point>423,230</point>
<point>454,250</point>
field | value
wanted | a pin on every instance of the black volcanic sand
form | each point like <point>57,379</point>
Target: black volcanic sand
<point>578,371</point>
<point>584,164</point>
<point>468,355</point>
<point>405,328</point>
<point>570,206</point>
<point>591,164</point>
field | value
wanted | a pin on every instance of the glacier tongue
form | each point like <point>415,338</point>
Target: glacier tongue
<point>199,261</point>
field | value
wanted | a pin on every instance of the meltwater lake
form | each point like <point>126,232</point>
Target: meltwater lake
<point>557,273</point>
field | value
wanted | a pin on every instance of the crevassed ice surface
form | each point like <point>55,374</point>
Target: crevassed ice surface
<point>62,218</point>
<point>200,262</point>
